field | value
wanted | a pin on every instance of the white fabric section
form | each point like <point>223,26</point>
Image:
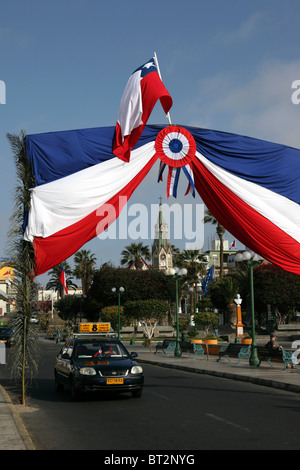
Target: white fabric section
<point>282,212</point>
<point>61,203</point>
<point>131,106</point>
<point>185,145</point>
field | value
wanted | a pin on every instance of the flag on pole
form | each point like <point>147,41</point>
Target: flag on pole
<point>141,93</point>
<point>62,278</point>
<point>209,277</point>
<point>232,245</point>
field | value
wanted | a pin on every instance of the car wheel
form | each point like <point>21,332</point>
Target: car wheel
<point>75,394</point>
<point>137,393</point>
<point>58,386</point>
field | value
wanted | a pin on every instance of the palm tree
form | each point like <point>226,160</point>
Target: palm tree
<point>209,218</point>
<point>134,255</point>
<point>194,262</point>
<point>54,282</point>
<point>24,354</point>
<point>84,268</point>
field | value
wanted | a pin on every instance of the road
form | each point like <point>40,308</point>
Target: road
<point>178,410</point>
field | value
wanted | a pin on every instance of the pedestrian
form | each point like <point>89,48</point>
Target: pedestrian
<point>272,343</point>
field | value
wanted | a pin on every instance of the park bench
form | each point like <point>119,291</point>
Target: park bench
<point>266,354</point>
<point>287,357</point>
<point>235,350</point>
<point>167,346</point>
<point>197,349</point>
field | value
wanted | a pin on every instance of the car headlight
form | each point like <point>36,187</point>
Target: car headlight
<point>136,370</point>
<point>87,371</point>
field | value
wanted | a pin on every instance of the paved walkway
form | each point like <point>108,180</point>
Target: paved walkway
<point>14,436</point>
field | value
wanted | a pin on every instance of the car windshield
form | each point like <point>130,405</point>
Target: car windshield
<point>99,349</point>
<point>4,331</point>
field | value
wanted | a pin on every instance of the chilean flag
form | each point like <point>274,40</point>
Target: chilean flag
<point>62,278</point>
<point>141,93</point>
<point>251,187</point>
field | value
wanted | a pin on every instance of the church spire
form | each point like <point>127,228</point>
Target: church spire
<point>161,249</point>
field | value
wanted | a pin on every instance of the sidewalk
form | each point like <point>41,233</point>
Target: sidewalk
<point>14,436</point>
<point>276,377</point>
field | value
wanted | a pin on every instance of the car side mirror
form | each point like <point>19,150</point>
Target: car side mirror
<point>134,354</point>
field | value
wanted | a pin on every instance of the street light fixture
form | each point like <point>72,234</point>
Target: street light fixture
<point>176,273</point>
<point>251,258</point>
<point>121,290</point>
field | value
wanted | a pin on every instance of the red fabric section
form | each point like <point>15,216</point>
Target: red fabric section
<point>152,89</point>
<point>53,250</point>
<point>244,223</point>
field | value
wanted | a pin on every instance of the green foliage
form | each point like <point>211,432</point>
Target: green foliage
<point>206,319</point>
<point>274,286</point>
<point>146,309</point>
<point>21,252</point>
<point>139,285</point>
<point>111,314</point>
<point>68,307</point>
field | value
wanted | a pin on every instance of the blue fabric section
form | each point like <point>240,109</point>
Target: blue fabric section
<point>273,166</point>
<point>148,69</point>
<point>54,155</point>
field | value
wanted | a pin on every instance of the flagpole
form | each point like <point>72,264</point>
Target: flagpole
<point>158,70</point>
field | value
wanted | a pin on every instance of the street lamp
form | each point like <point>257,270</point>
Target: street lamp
<point>121,290</point>
<point>176,273</point>
<point>250,258</point>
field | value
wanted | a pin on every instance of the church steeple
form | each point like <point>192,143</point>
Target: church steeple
<point>161,249</point>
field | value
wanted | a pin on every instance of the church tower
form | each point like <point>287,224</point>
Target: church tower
<point>161,249</point>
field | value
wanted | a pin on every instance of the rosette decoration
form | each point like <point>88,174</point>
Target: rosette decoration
<point>176,148</point>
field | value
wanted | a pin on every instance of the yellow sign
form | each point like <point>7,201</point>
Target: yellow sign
<point>94,327</point>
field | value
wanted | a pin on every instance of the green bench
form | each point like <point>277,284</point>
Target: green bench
<point>240,351</point>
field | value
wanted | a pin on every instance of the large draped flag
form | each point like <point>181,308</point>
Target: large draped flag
<point>141,93</point>
<point>251,187</point>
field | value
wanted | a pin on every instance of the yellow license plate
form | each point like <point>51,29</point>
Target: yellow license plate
<point>114,381</point>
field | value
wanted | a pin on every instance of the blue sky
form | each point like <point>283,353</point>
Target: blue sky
<point>228,66</point>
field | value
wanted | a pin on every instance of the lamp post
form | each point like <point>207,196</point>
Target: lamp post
<point>121,290</point>
<point>176,273</point>
<point>250,258</point>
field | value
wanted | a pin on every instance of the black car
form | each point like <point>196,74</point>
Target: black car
<point>92,363</point>
<point>6,334</point>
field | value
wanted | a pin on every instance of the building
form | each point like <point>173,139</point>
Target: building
<point>7,290</point>
<point>162,256</point>
<point>213,257</point>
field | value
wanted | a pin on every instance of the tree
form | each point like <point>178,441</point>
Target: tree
<point>222,293</point>
<point>84,268</point>
<point>25,350</point>
<point>209,218</point>
<point>54,282</point>
<point>133,254</point>
<point>139,285</point>
<point>275,287</point>
<point>194,262</point>
<point>206,319</point>
<point>148,313</point>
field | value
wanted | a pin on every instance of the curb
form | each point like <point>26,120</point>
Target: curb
<point>228,375</point>
<point>18,421</point>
